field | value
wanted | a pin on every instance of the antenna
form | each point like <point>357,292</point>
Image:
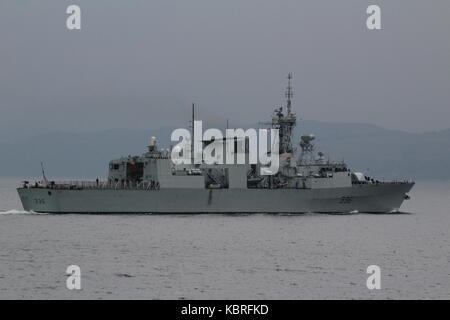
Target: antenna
<point>289,93</point>
<point>192,133</point>
<point>193,119</point>
<point>191,122</point>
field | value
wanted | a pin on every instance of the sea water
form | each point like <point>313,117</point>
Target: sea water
<point>232,256</point>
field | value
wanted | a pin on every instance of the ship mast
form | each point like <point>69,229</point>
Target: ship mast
<point>285,123</point>
<point>192,133</point>
<point>289,94</point>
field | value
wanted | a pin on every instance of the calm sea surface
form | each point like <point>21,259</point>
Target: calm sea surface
<point>311,256</point>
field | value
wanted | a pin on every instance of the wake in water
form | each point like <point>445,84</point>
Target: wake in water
<point>14,211</point>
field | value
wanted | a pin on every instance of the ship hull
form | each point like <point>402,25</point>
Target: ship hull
<point>376,198</point>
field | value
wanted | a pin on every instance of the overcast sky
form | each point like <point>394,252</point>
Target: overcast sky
<point>140,63</point>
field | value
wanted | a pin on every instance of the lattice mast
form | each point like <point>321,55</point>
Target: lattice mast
<point>285,123</point>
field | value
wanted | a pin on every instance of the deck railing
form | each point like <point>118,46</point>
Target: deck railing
<point>98,185</point>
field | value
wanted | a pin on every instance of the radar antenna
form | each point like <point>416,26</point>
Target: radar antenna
<point>289,93</point>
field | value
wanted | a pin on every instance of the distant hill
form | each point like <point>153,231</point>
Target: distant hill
<point>386,153</point>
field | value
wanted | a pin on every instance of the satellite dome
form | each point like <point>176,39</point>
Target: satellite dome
<point>308,138</point>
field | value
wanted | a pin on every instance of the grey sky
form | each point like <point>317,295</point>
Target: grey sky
<point>139,63</point>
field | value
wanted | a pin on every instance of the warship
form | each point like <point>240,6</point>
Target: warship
<point>153,183</point>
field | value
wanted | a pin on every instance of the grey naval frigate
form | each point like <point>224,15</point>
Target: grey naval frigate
<point>152,183</point>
